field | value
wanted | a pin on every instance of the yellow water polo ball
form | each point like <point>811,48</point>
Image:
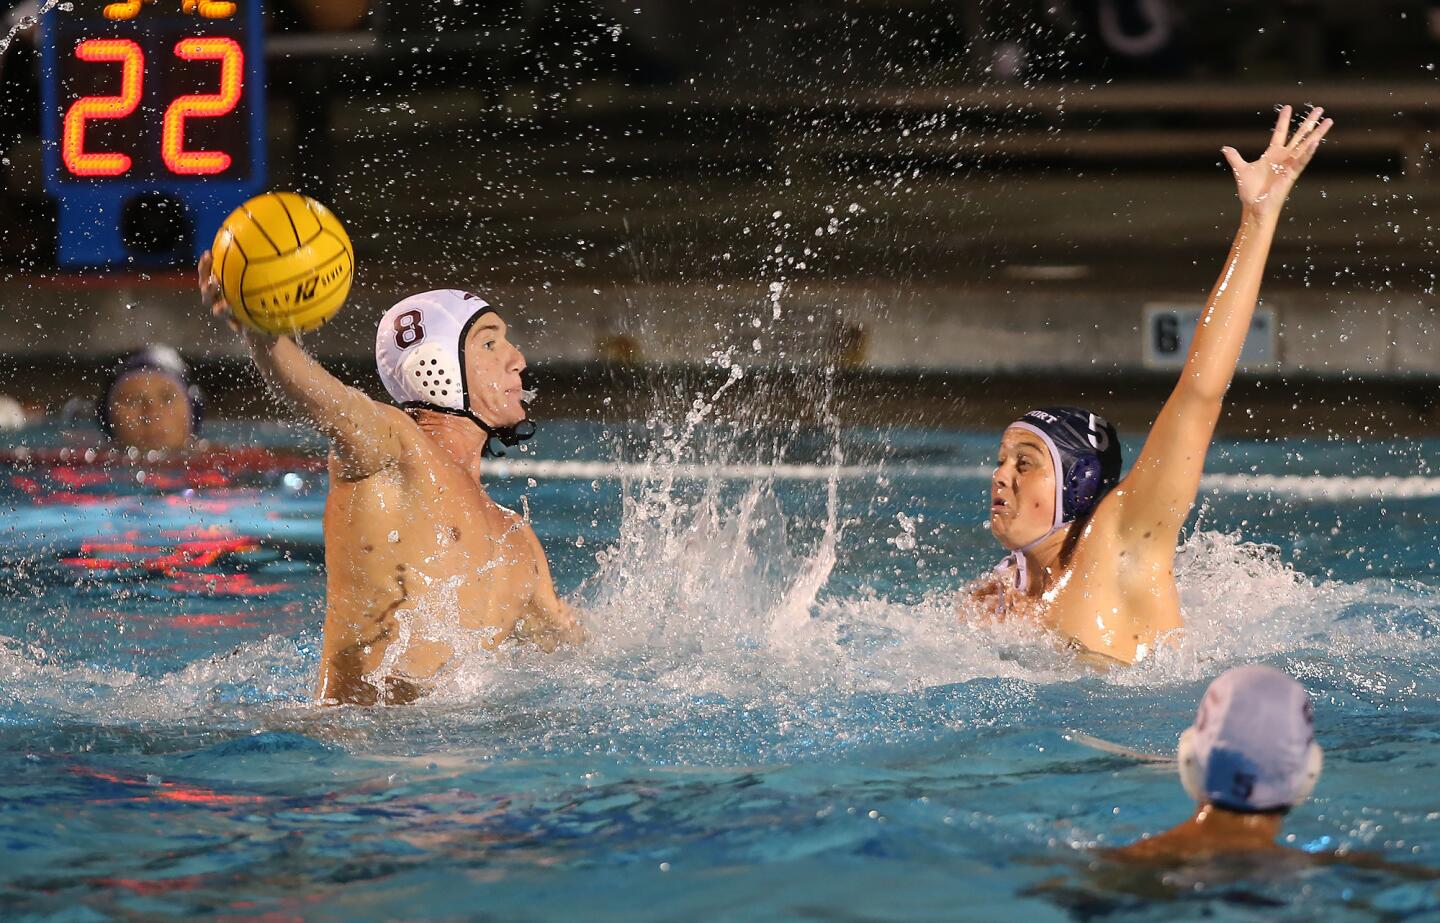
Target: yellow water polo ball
<point>284,263</point>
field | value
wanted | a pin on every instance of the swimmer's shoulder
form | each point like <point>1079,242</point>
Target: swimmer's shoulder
<point>399,420</point>
<point>409,447</point>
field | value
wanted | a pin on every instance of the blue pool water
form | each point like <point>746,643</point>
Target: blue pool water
<point>779,716</point>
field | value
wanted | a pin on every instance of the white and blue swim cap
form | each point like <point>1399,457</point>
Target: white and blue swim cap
<point>420,354</point>
<point>1252,746</point>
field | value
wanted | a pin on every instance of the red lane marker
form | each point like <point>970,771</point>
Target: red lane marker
<point>168,791</point>
<point>146,886</point>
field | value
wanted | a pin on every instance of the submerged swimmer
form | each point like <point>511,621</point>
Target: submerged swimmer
<point>1247,760</point>
<point>1092,557</point>
<point>416,552</point>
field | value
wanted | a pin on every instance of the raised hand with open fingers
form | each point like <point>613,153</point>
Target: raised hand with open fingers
<point>1263,184</point>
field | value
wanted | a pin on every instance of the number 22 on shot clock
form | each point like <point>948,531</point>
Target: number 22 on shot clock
<point>150,104</point>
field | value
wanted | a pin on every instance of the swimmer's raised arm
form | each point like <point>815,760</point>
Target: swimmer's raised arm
<point>364,433</point>
<point>1157,494</point>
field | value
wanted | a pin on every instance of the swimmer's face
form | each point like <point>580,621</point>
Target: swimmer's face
<point>1022,490</point>
<point>492,372</point>
<point>149,410</point>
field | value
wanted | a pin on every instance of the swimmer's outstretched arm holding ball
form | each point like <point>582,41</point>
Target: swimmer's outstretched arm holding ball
<point>421,565</point>
<point>1091,556</point>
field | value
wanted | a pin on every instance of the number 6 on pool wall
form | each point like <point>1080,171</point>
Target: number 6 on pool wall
<point>202,106</point>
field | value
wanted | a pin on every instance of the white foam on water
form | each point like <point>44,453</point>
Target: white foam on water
<point>715,589</point>
<point>273,669</point>
<point>717,595</point>
<point>709,597</point>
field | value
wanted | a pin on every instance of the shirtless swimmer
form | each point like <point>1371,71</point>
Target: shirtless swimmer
<point>410,533</point>
<point>1092,557</point>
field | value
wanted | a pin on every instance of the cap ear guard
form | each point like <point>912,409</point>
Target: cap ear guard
<point>1193,770</point>
<point>1082,486</point>
<point>433,376</point>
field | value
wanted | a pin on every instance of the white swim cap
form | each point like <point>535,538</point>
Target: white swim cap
<point>1252,746</point>
<point>420,349</point>
<point>420,353</point>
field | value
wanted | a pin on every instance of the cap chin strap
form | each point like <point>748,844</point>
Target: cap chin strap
<point>1016,561</point>
<point>507,435</point>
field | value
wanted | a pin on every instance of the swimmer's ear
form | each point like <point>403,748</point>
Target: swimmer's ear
<point>1314,762</point>
<point>1192,772</point>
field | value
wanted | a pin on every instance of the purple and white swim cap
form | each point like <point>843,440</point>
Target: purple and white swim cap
<point>1252,746</point>
<point>1085,450</point>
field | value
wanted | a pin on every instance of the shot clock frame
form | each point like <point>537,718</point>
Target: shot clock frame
<point>153,125</point>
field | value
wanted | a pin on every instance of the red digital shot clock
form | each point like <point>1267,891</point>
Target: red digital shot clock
<point>148,98</point>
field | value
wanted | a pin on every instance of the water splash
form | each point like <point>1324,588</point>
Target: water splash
<point>40,686</point>
<point>22,23</point>
<point>718,592</point>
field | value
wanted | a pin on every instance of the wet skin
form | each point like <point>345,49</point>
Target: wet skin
<point>417,554</point>
<point>421,537</point>
<point>1215,833</point>
<point>1210,831</point>
<point>149,411</point>
<point>1116,593</point>
<point>1110,591</point>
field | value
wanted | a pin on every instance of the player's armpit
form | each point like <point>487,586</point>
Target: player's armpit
<point>1156,496</point>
